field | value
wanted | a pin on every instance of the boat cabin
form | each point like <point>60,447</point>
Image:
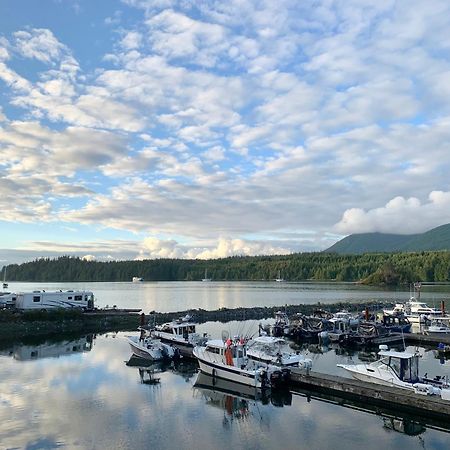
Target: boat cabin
<point>404,364</point>
<point>228,352</point>
<point>179,329</point>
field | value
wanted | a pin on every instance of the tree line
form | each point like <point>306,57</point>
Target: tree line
<point>371,268</point>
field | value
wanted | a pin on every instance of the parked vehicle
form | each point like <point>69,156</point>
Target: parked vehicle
<point>45,300</point>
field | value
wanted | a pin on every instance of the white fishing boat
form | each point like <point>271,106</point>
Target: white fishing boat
<point>229,361</point>
<point>181,334</point>
<point>437,328</point>
<point>137,280</point>
<point>275,350</point>
<point>399,369</point>
<point>148,347</point>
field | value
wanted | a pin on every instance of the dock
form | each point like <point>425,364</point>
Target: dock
<point>401,400</point>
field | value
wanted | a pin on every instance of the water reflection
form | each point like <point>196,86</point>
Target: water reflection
<point>236,400</point>
<point>95,399</point>
<point>48,348</point>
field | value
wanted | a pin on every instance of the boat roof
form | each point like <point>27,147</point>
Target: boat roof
<point>215,343</point>
<point>269,340</point>
<point>401,355</point>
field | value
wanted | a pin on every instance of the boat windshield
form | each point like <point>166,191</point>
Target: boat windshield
<point>406,369</point>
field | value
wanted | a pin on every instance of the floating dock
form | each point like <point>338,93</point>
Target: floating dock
<point>375,394</point>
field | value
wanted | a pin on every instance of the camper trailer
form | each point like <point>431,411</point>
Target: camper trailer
<point>43,300</point>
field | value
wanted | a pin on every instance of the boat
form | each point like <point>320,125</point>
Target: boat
<point>228,360</point>
<point>275,350</point>
<point>415,310</point>
<point>399,369</point>
<point>437,328</point>
<point>7,299</point>
<point>147,347</point>
<point>279,279</point>
<point>396,324</point>
<point>281,325</point>
<point>137,279</point>
<point>5,284</point>
<point>206,276</point>
<point>181,334</point>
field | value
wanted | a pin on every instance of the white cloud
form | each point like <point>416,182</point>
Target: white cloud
<point>40,44</point>
<point>399,215</point>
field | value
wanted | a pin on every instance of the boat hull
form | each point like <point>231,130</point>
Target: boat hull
<point>248,378</point>
<point>150,354</point>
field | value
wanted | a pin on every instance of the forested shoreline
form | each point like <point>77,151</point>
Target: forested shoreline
<point>370,268</point>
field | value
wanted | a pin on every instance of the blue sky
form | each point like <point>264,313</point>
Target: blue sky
<point>145,129</point>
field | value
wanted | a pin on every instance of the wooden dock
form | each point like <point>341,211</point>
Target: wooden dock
<point>401,400</point>
<point>416,338</point>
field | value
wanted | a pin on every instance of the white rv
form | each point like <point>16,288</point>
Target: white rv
<point>44,300</point>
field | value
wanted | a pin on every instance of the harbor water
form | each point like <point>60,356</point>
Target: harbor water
<point>85,392</point>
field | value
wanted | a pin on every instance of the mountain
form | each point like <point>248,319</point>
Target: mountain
<point>435,239</point>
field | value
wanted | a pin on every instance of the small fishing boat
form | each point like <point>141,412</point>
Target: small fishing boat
<point>147,347</point>
<point>399,369</point>
<point>181,334</point>
<point>228,360</point>
<point>275,350</point>
<point>137,279</point>
<point>437,328</point>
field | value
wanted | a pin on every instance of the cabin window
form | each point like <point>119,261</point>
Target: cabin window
<point>69,298</point>
<point>395,364</point>
<point>240,353</point>
<point>36,299</point>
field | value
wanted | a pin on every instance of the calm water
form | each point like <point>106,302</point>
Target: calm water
<point>80,393</point>
<point>177,296</point>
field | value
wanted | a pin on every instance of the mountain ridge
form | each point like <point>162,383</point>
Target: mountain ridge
<point>432,240</point>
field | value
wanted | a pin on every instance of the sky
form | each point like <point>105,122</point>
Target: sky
<point>133,129</point>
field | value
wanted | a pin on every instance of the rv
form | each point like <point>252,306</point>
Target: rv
<point>43,300</point>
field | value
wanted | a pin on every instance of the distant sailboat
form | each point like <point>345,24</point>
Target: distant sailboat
<point>206,276</point>
<point>279,279</point>
<point>5,284</point>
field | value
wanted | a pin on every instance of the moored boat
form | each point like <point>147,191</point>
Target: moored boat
<point>229,361</point>
<point>275,350</point>
<point>150,348</point>
<point>399,369</point>
<point>181,334</point>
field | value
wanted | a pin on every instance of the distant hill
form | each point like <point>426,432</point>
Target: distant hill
<point>432,240</point>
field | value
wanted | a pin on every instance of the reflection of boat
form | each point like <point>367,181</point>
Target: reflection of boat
<point>233,397</point>
<point>402,425</point>
<point>399,369</point>
<point>228,360</point>
<point>150,348</point>
<point>275,350</point>
<point>50,349</point>
<point>186,368</point>
<point>181,334</point>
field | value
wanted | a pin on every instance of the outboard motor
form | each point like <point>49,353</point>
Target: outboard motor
<point>276,378</point>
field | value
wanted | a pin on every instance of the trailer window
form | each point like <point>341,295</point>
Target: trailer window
<point>36,299</point>
<point>69,298</point>
<point>78,297</point>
